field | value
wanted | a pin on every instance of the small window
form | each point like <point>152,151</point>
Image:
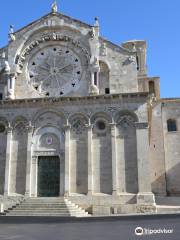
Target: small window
<point>137,60</point>
<point>107,91</point>
<point>151,87</point>
<point>1,96</point>
<point>96,78</point>
<point>2,128</point>
<point>101,125</point>
<point>171,125</point>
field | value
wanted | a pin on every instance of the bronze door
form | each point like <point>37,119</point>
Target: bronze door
<point>48,176</point>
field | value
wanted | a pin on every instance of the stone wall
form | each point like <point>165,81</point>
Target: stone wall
<point>156,151</point>
<point>171,110</point>
<point>49,120</point>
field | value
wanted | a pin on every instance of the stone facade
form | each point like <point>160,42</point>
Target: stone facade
<point>68,93</point>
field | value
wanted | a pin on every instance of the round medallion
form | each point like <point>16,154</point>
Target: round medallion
<point>49,140</point>
<point>55,71</point>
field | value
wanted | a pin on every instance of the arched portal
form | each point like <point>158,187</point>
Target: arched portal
<point>48,162</point>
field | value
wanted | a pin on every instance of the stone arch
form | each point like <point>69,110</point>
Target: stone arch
<point>102,115</point>
<point>49,117</point>
<point>102,152</point>
<point>19,120</point>
<point>128,113</point>
<point>47,110</point>
<point>79,152</point>
<point>104,77</point>
<point>3,146</point>
<point>127,151</point>
<point>51,132</point>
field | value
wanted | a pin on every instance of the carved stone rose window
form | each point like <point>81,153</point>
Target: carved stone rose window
<point>54,71</point>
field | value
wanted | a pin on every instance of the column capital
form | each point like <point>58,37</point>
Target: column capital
<point>30,128</point>
<point>89,126</point>
<point>67,127</point>
<point>141,125</point>
<point>9,129</point>
<point>112,124</point>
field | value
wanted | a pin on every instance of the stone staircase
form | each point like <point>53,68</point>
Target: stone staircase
<point>59,207</point>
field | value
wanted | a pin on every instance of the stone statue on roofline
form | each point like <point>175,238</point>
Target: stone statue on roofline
<point>54,7</point>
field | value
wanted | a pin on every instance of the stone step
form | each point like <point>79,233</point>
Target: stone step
<point>40,210</point>
<point>45,210</point>
<point>168,209</point>
<point>39,214</point>
<point>38,202</point>
<point>47,207</point>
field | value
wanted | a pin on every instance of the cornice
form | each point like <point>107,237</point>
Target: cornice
<point>126,97</point>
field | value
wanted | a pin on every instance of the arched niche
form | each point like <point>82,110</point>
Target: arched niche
<point>102,153</point>
<point>127,151</point>
<point>19,156</point>
<point>48,138</point>
<point>49,117</point>
<point>79,153</point>
<point>104,74</point>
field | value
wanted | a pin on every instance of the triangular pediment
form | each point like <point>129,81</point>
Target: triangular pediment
<point>51,19</point>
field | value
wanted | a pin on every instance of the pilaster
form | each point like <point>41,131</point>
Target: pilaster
<point>8,161</point>
<point>145,195</point>
<point>90,163</point>
<point>67,159</point>
<point>114,159</point>
<point>29,160</point>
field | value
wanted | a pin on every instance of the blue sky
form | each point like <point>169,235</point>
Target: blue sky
<point>156,21</point>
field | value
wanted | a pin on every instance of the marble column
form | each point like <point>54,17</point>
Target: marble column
<point>114,159</point>
<point>67,160</point>
<point>8,161</point>
<point>29,160</point>
<point>145,195</point>
<point>90,164</point>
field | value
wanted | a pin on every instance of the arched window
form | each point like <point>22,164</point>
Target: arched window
<point>171,125</point>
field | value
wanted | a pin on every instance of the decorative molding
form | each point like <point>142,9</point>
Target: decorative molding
<point>57,37</point>
<point>141,125</point>
<point>126,121</point>
<point>46,153</point>
<point>129,97</point>
<point>78,126</point>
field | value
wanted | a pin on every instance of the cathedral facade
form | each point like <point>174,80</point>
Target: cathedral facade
<point>80,118</point>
